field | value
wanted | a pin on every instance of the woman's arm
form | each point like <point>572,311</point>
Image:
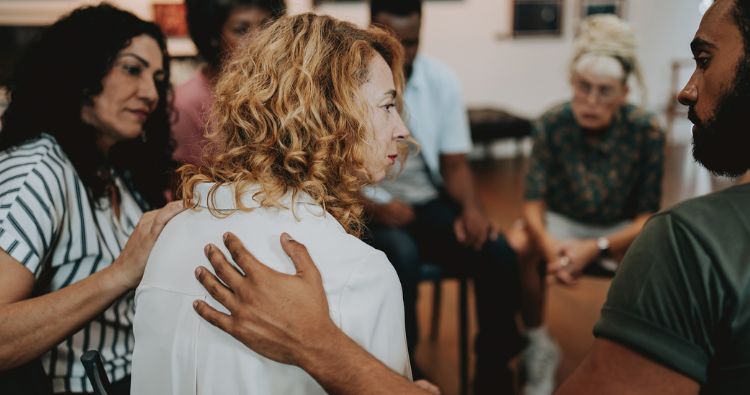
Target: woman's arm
<point>533,216</point>
<point>30,327</point>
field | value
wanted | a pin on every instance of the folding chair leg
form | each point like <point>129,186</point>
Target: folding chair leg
<point>463,334</point>
<point>436,299</point>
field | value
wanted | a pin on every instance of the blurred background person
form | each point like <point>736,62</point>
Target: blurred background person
<point>594,179</point>
<point>216,26</point>
<point>430,211</point>
<point>306,114</point>
<point>84,151</point>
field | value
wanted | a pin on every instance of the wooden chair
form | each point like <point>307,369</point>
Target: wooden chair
<point>435,274</point>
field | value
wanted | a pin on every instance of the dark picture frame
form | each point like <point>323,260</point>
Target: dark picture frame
<point>593,7</point>
<point>537,18</point>
<point>319,2</point>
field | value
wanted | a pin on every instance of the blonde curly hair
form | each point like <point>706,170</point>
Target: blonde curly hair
<point>289,116</point>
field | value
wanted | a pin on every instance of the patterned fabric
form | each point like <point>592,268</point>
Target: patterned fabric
<point>48,224</point>
<point>597,179</point>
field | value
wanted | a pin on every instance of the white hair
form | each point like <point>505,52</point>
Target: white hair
<point>600,66</point>
<point>605,46</point>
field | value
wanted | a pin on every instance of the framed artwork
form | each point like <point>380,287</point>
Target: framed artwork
<point>171,18</point>
<point>537,17</point>
<point>593,7</point>
<point>319,2</point>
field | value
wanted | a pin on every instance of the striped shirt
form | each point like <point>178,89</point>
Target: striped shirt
<point>49,224</point>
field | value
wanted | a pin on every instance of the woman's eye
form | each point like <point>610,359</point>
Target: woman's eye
<point>240,30</point>
<point>132,70</point>
<point>389,106</point>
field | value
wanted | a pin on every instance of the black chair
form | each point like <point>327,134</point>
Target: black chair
<point>435,274</point>
<point>92,363</point>
<point>489,125</point>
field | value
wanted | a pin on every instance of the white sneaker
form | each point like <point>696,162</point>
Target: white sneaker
<point>539,362</point>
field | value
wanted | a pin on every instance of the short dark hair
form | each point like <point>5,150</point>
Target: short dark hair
<point>62,71</point>
<point>206,18</point>
<point>395,7</point>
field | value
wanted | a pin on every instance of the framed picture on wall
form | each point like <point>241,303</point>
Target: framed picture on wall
<point>537,17</point>
<point>171,17</point>
<point>319,2</point>
<point>593,7</point>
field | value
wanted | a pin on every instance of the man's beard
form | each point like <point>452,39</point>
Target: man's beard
<point>722,144</point>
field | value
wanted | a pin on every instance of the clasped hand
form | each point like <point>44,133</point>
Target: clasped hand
<point>567,260</point>
<point>473,229</point>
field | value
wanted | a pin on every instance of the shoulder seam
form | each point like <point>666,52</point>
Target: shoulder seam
<point>40,157</point>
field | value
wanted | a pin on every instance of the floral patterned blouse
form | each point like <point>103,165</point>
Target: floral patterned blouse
<point>597,179</point>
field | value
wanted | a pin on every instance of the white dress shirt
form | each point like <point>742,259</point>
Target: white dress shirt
<point>177,352</point>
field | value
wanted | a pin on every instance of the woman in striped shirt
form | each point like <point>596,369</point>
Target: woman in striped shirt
<point>83,153</point>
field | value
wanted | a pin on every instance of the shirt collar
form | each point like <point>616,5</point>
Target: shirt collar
<point>223,197</point>
<point>417,79</point>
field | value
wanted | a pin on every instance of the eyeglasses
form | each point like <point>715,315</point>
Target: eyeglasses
<point>603,94</point>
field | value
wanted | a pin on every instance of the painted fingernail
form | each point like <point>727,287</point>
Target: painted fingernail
<point>198,271</point>
<point>225,236</point>
<point>195,304</point>
<point>287,237</point>
<point>207,249</point>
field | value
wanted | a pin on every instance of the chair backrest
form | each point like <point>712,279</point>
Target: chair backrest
<point>491,124</point>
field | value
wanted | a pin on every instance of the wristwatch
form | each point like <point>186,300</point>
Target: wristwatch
<point>603,244</point>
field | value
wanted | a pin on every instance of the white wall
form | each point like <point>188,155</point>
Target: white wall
<point>523,75</point>
<point>530,74</point>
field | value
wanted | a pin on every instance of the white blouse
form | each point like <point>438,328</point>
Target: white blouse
<point>177,352</point>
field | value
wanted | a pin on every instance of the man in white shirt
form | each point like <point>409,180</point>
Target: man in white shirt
<point>432,203</point>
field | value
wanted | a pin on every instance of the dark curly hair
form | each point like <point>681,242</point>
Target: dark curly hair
<point>206,18</point>
<point>61,72</point>
<point>741,16</point>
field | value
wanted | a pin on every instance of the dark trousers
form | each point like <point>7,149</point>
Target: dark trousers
<point>495,273</point>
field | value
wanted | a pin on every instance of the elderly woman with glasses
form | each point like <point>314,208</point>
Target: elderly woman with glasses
<point>594,179</point>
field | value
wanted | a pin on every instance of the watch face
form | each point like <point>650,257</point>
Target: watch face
<point>602,243</point>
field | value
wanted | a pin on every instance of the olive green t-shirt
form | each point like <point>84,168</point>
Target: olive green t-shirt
<point>682,294</point>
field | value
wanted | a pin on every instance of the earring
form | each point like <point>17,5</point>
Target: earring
<point>143,136</point>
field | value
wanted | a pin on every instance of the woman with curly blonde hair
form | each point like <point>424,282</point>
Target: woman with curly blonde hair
<point>306,115</point>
